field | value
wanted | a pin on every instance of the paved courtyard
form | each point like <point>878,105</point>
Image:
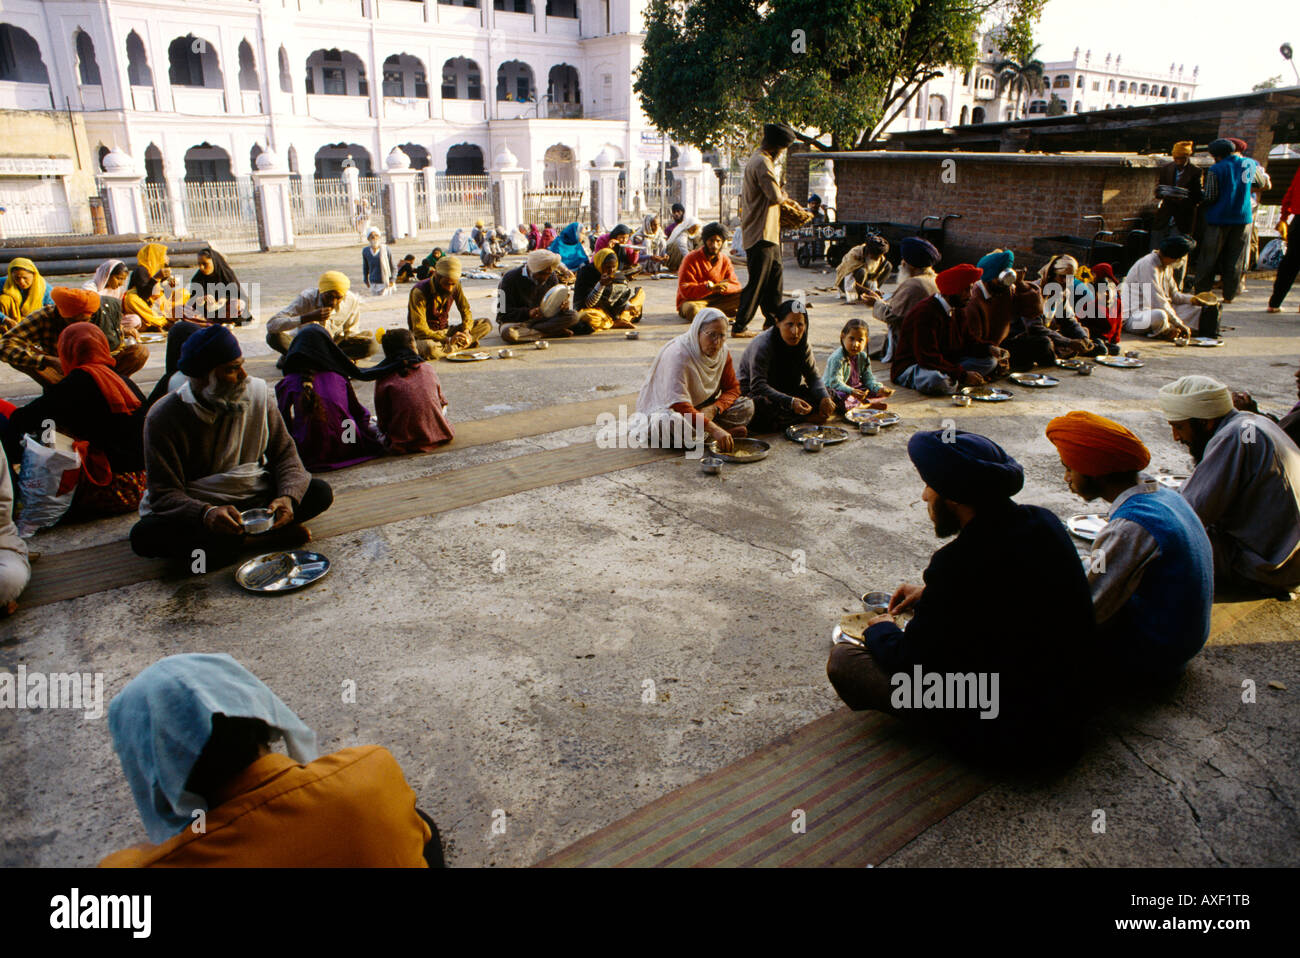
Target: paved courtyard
<point>501,651</point>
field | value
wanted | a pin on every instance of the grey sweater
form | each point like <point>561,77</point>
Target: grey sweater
<point>180,448</point>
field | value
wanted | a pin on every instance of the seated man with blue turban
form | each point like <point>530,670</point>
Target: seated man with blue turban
<point>214,447</point>
<point>194,734</point>
<point>990,658</point>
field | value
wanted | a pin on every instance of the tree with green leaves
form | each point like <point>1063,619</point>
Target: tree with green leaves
<point>713,71</point>
<point>1020,73</point>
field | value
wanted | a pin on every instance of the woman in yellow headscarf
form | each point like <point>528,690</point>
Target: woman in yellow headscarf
<point>25,291</point>
<point>169,296</point>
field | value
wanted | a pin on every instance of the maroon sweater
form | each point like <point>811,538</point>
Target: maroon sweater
<point>931,338</point>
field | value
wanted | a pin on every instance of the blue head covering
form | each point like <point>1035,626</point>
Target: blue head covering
<point>918,252</point>
<point>163,718</point>
<point>569,248</point>
<point>965,466</point>
<point>994,263</point>
<point>207,349</point>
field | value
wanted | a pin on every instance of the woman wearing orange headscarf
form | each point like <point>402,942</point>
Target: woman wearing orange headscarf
<point>102,412</point>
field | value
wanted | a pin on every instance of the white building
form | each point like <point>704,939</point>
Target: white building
<point>193,92</point>
<point>1082,84</point>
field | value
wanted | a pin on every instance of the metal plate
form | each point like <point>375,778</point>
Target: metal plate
<point>986,393</point>
<point>1086,526</point>
<point>277,572</point>
<point>1071,363</point>
<point>468,357</point>
<point>881,417</point>
<point>1119,362</point>
<point>746,450</point>
<point>1172,482</point>
<point>1204,341</point>
<point>153,337</point>
<point>1037,380</point>
<point>829,435</point>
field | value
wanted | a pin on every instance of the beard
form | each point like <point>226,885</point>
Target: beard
<point>1201,435</point>
<point>946,521</point>
<point>226,397</point>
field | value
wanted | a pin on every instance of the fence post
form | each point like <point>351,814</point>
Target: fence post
<point>508,183</point>
<point>123,194</point>
<point>431,192</point>
<point>399,183</point>
<point>271,193</point>
<point>604,181</point>
<point>689,172</point>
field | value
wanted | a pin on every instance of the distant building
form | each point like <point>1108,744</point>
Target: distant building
<point>1082,83</point>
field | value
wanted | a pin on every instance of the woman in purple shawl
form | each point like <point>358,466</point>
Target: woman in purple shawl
<point>328,423</point>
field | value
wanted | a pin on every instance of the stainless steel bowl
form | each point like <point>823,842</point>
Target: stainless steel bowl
<point>869,428</point>
<point>541,344</point>
<point>257,521</point>
<point>877,602</point>
<point>633,334</point>
<point>710,467</point>
<point>961,400</point>
<point>506,353</point>
<point>812,444</point>
<point>1085,369</point>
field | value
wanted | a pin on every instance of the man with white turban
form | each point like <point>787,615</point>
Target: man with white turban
<point>521,312</point>
<point>1245,488</point>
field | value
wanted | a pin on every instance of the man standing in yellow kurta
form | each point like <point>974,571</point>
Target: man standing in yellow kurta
<point>761,198</point>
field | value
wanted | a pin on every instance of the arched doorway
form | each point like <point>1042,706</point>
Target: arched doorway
<point>977,115</point>
<point>559,166</point>
<point>563,92</point>
<point>465,159</point>
<point>206,163</point>
<point>420,158</point>
<point>330,158</point>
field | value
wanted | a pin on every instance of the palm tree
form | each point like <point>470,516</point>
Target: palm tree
<point>1020,74</point>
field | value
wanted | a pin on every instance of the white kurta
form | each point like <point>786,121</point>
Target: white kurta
<point>1150,299</point>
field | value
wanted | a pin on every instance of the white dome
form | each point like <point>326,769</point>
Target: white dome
<point>116,161</point>
<point>603,160</point>
<point>689,158</point>
<point>506,159</point>
<point>397,159</point>
<point>267,160</point>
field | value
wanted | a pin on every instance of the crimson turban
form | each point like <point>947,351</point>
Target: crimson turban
<point>1096,446</point>
<point>957,279</point>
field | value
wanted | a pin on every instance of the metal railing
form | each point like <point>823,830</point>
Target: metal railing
<point>157,209</point>
<point>557,205</point>
<point>463,199</point>
<point>223,212</point>
<point>423,214</point>
<point>320,207</point>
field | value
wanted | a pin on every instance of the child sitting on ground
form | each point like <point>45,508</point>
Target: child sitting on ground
<point>406,269</point>
<point>848,372</point>
<point>409,403</point>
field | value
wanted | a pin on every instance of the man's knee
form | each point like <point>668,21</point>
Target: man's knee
<point>318,497</point>
<point>129,360</point>
<point>280,341</point>
<point>15,573</point>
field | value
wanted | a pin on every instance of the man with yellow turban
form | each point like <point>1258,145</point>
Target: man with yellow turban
<point>32,347</point>
<point>1152,569</point>
<point>428,310</point>
<point>1178,188</point>
<point>25,291</point>
<point>1245,488</point>
<point>333,305</point>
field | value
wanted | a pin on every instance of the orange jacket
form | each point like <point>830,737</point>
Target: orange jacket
<point>695,275</point>
<point>351,809</point>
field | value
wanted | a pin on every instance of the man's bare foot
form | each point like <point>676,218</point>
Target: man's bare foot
<point>745,334</point>
<point>1273,309</point>
<point>8,609</point>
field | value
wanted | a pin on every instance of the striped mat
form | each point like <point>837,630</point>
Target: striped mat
<point>81,572</point>
<point>864,784</point>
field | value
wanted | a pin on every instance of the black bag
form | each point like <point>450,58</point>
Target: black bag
<point>1209,327</point>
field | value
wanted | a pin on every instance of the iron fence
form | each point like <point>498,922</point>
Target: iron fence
<point>558,205</point>
<point>463,199</point>
<point>222,212</point>
<point>157,210</point>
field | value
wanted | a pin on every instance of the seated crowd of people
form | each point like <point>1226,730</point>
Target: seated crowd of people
<point>194,732</point>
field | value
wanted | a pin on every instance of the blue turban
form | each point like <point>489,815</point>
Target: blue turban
<point>918,252</point>
<point>1221,148</point>
<point>965,466</point>
<point>207,349</point>
<point>1176,246</point>
<point>994,263</point>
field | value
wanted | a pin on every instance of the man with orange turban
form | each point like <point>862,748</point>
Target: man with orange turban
<point>32,347</point>
<point>935,352</point>
<point>1152,568</point>
<point>1178,188</point>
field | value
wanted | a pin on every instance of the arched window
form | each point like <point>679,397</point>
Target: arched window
<point>286,79</point>
<point>1079,84</point>
<point>137,61</point>
<point>465,159</point>
<point>337,73</point>
<point>1164,91</point>
<point>462,80</point>
<point>513,6</point>
<point>965,115</point>
<point>1078,107</point>
<point>1110,87</point>
<point>1143,90</point>
<point>206,163</point>
<point>977,115</point>
<point>248,79</point>
<point>20,57</point>
<point>192,61</point>
<point>563,92</point>
<point>1173,93</point>
<point>515,82</point>
<point>330,160</point>
<point>87,66</point>
<point>1060,81</point>
<point>405,75</point>
<point>937,108</point>
<point>153,165</point>
<point>418,154</point>
<point>1123,87</point>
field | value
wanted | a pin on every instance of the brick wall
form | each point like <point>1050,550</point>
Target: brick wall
<point>1001,204</point>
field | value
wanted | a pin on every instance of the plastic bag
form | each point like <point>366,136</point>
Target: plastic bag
<point>44,483</point>
<point>1270,257</point>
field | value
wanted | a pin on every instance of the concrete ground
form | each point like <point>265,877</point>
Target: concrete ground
<point>502,651</point>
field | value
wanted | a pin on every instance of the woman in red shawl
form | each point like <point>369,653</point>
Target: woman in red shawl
<point>104,415</point>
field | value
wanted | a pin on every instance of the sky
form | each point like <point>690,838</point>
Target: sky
<point>1234,51</point>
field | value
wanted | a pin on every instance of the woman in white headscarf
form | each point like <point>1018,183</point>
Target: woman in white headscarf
<point>109,279</point>
<point>692,391</point>
<point>652,240</point>
<point>685,237</point>
<point>377,265</point>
